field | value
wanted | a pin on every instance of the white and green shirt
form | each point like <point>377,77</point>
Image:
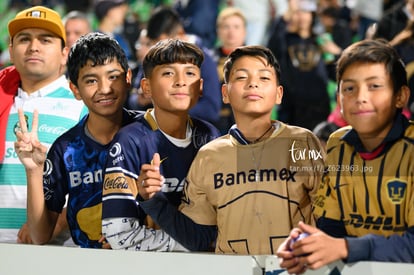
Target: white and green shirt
<point>58,112</point>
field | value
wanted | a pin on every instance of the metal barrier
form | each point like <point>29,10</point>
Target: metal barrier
<point>51,260</point>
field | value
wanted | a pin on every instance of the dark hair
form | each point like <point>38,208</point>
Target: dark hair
<point>97,47</point>
<point>324,129</point>
<point>255,51</point>
<point>164,20</point>
<point>102,7</point>
<point>374,51</point>
<point>170,51</point>
<point>331,12</point>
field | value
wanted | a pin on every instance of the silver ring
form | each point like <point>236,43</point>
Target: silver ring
<point>142,183</point>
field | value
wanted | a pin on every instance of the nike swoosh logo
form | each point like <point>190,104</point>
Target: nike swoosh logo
<point>160,160</point>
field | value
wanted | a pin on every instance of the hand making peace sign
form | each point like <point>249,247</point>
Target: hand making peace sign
<point>30,151</point>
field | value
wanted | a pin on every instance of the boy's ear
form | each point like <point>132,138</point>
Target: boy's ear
<point>75,90</point>
<point>128,77</point>
<point>279,94</point>
<point>402,97</point>
<point>145,87</point>
<point>65,54</point>
<point>338,102</point>
<point>11,56</point>
<point>224,93</point>
<point>201,87</point>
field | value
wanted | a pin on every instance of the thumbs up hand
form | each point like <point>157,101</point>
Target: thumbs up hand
<point>150,180</point>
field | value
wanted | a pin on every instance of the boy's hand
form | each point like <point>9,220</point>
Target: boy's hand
<point>287,259</point>
<point>150,180</point>
<point>105,244</point>
<point>23,236</point>
<point>30,151</point>
<point>315,251</point>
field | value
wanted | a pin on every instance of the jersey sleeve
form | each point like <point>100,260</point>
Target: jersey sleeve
<point>119,191</point>
<point>55,185</point>
<point>193,236</point>
<point>372,247</point>
<point>127,233</point>
<point>332,227</point>
<point>195,203</point>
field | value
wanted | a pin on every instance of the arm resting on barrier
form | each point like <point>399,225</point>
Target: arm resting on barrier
<point>394,248</point>
<point>193,236</point>
<point>128,233</point>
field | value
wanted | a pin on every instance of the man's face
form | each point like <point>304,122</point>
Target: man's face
<point>38,56</point>
<point>232,31</point>
<point>75,28</point>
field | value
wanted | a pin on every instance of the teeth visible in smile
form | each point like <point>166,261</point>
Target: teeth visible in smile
<point>105,100</point>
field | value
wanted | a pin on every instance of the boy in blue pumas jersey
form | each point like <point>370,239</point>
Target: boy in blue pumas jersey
<point>366,198</point>
<point>99,75</point>
<point>172,79</point>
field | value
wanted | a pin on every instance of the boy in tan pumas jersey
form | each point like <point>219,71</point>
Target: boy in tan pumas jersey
<point>365,204</point>
<point>246,190</point>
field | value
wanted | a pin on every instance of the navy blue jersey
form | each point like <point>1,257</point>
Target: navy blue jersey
<point>134,146</point>
<point>74,167</point>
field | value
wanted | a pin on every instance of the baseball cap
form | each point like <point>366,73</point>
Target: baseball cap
<point>38,17</point>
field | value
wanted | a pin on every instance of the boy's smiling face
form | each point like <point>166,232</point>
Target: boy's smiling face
<point>368,102</point>
<point>174,87</point>
<point>252,88</point>
<point>103,88</point>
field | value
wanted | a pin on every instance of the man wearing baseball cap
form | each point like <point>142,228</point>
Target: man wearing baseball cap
<point>35,82</point>
<point>37,17</point>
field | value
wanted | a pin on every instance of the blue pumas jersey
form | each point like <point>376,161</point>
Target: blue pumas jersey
<point>74,167</point>
<point>135,145</point>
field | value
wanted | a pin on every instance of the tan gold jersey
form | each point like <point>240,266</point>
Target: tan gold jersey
<point>254,193</point>
<point>369,195</point>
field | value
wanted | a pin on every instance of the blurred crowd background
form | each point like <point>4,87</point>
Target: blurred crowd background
<point>307,36</point>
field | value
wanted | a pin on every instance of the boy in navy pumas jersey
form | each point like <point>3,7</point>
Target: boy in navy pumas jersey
<point>246,190</point>
<point>172,79</point>
<point>366,200</point>
<point>99,75</point>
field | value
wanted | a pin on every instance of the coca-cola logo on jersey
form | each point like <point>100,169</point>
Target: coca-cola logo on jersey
<point>115,183</point>
<point>59,130</point>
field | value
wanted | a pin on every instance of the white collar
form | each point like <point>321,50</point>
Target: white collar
<point>60,82</point>
<point>176,141</point>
